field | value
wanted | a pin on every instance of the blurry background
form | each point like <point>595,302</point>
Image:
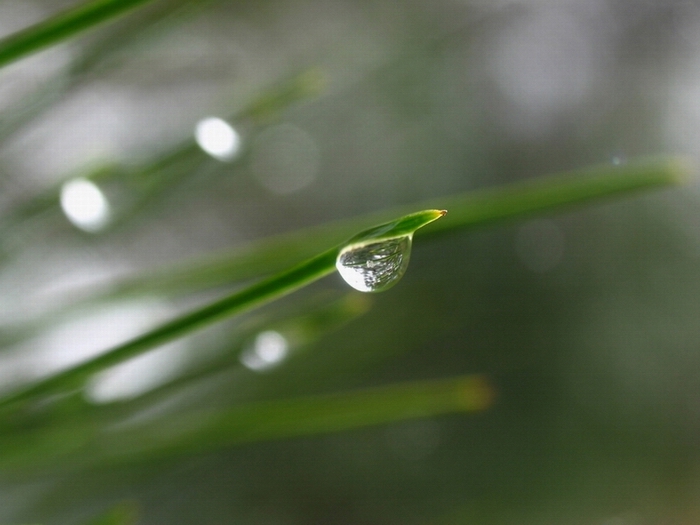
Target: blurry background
<point>585,322</point>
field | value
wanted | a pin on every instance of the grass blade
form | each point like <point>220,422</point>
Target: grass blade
<point>61,27</point>
<point>547,193</point>
<point>125,513</point>
<point>151,181</point>
<point>87,444</point>
<point>472,209</point>
<point>468,210</point>
<point>285,418</point>
<point>255,295</point>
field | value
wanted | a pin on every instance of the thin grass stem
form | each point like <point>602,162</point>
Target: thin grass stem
<point>62,27</point>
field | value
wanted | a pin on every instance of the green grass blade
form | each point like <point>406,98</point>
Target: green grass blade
<point>468,210</point>
<point>300,332</point>
<point>472,209</point>
<point>61,27</point>
<point>101,56</point>
<point>153,180</point>
<point>255,295</point>
<point>547,193</point>
<point>285,418</point>
<point>87,444</point>
<point>125,513</point>
<point>250,297</point>
<point>402,227</point>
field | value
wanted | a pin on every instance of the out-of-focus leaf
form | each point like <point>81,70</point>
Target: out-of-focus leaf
<point>189,433</point>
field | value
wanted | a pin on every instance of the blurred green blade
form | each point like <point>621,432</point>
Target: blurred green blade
<point>285,418</point>
<point>89,444</point>
<point>152,181</point>
<point>125,513</point>
<point>547,193</point>
<point>467,210</point>
<point>61,27</point>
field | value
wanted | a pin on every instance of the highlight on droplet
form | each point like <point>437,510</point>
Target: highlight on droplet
<point>217,138</point>
<point>84,204</point>
<point>376,266</point>
<point>269,349</point>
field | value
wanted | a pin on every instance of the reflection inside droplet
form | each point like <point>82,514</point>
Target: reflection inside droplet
<point>376,266</point>
<point>217,138</point>
<point>269,349</point>
<point>84,205</point>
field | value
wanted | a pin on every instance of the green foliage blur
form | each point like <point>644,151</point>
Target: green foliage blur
<point>543,370</point>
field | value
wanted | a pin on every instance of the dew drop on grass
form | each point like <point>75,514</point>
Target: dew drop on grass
<point>374,267</point>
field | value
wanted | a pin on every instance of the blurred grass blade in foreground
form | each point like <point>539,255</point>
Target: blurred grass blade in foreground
<point>145,439</point>
<point>125,513</point>
<point>285,418</point>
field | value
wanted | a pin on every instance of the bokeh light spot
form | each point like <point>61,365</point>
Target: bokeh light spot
<point>285,159</point>
<point>217,138</point>
<point>269,349</point>
<point>84,205</point>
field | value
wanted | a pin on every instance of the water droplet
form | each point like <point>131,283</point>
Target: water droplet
<point>376,266</point>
